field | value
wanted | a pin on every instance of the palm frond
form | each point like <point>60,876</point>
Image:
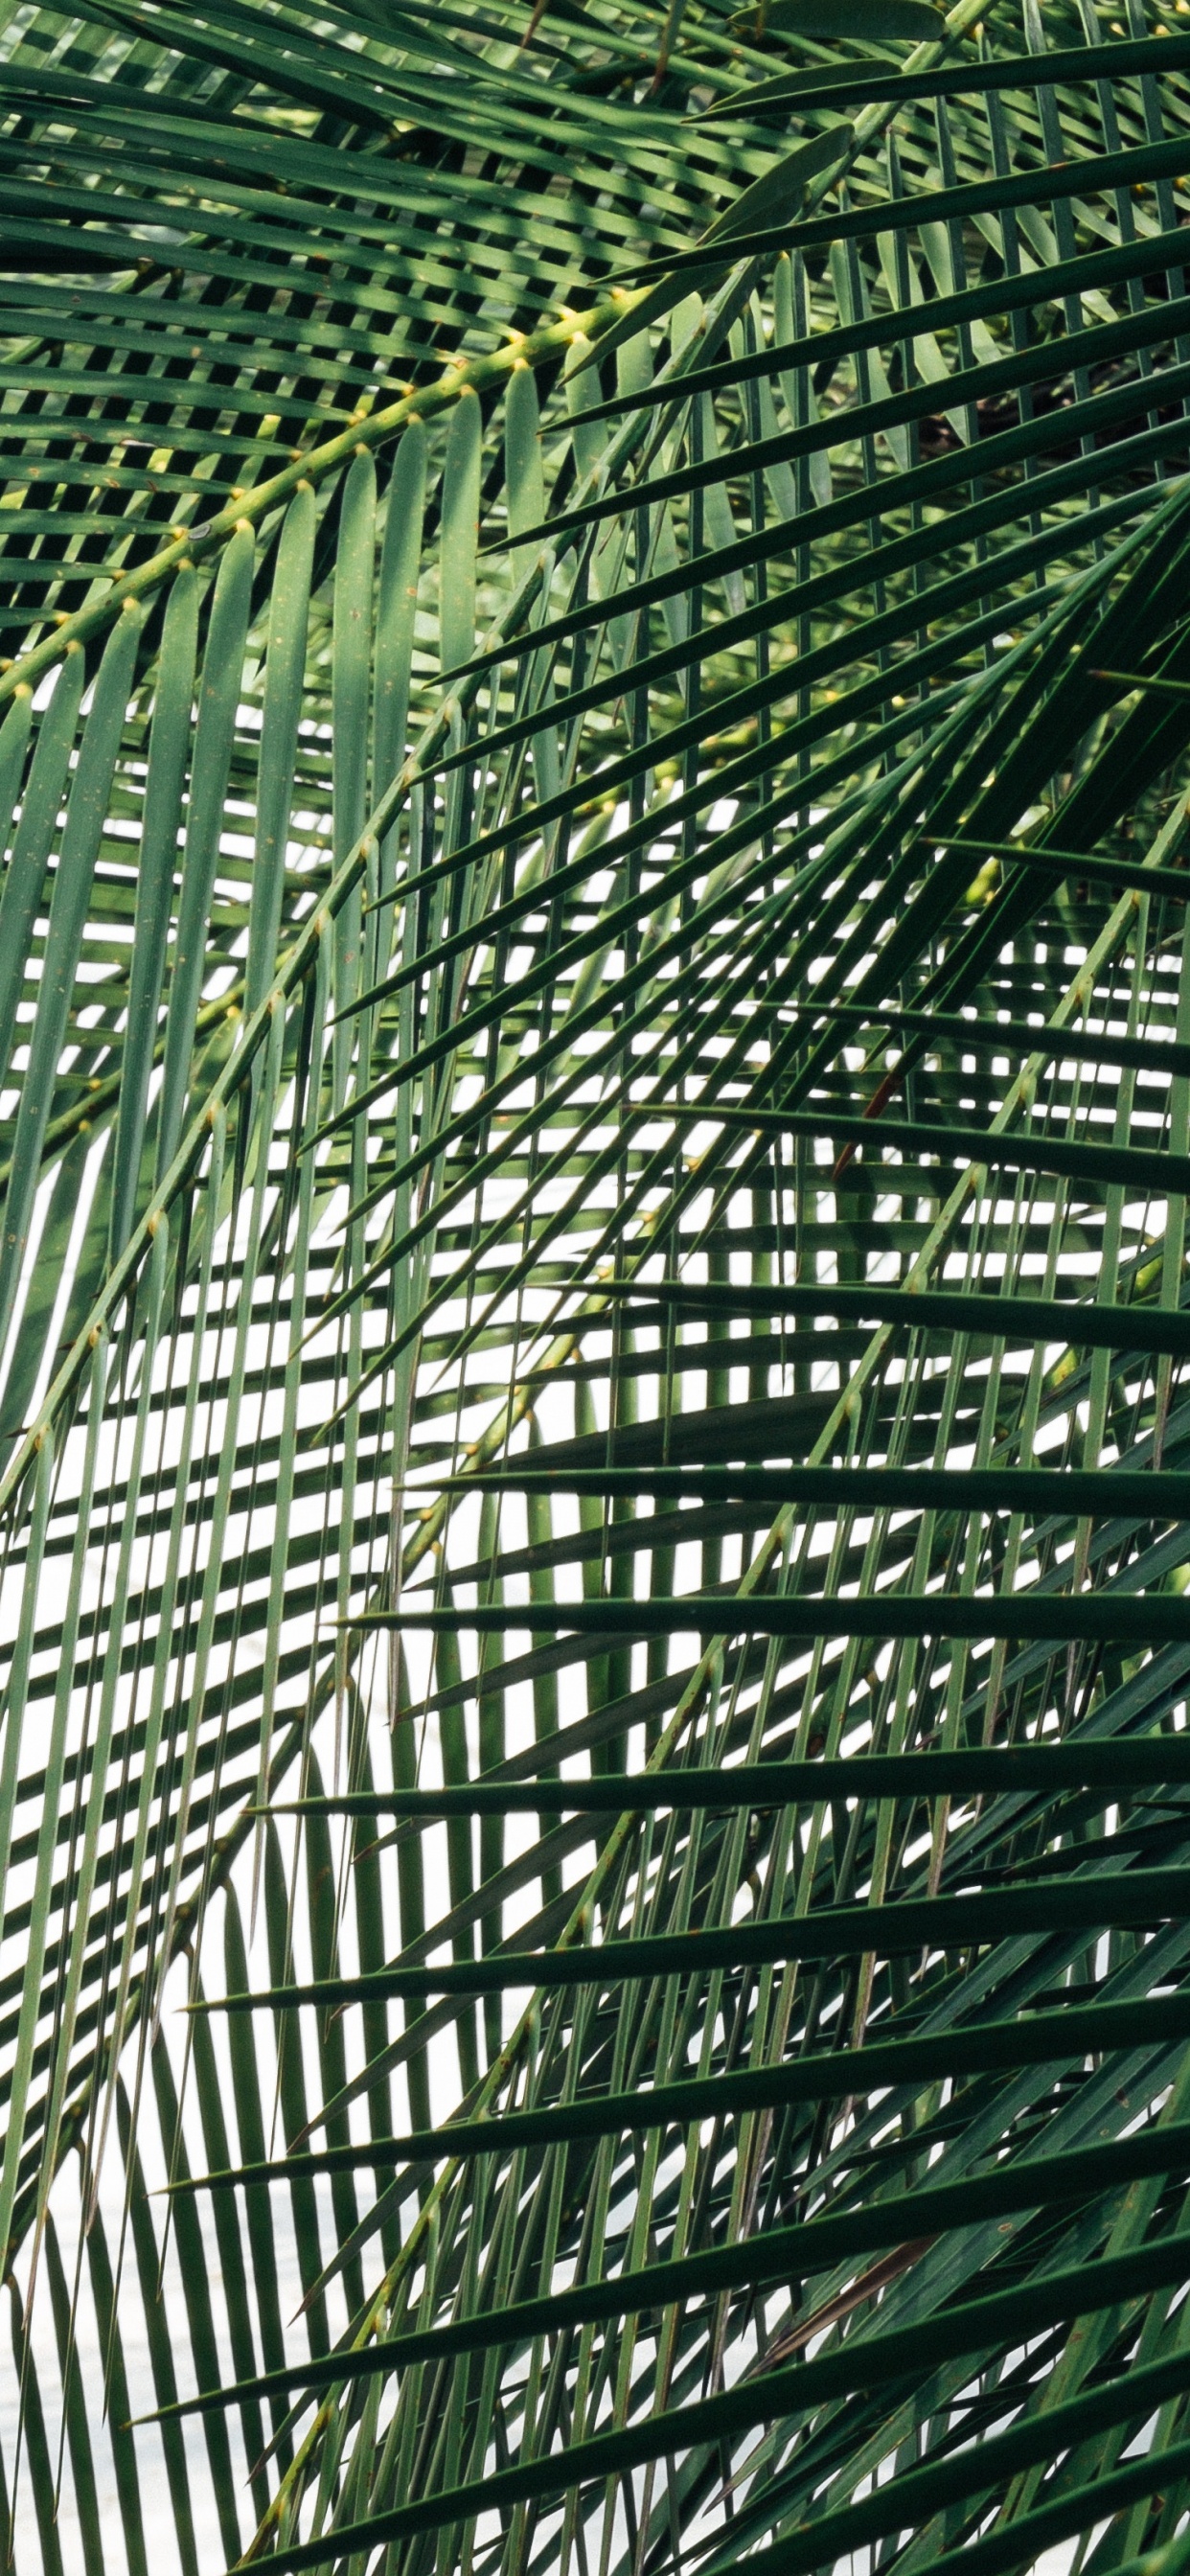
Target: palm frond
<point>592,744</point>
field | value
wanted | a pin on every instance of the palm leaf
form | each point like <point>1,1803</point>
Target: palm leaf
<point>592,731</point>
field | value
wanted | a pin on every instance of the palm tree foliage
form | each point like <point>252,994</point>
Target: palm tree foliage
<point>595,688</point>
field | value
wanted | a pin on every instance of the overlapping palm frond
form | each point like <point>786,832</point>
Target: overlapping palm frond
<point>596,1450</point>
